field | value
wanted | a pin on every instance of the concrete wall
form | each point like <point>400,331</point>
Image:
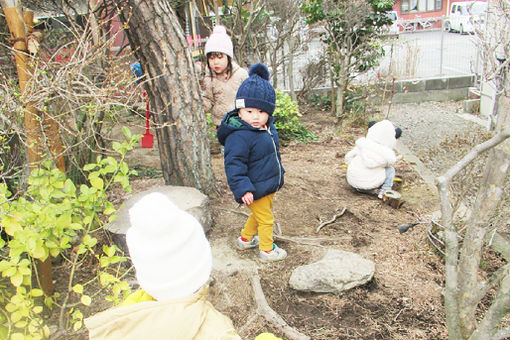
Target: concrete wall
<point>425,89</point>
<point>433,89</point>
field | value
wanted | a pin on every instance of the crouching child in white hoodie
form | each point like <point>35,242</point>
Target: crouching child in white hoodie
<point>370,164</point>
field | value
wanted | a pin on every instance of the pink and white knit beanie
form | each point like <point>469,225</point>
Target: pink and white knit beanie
<point>219,41</point>
<point>168,248</point>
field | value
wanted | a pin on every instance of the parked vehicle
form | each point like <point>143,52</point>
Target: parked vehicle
<point>393,28</point>
<point>464,16</point>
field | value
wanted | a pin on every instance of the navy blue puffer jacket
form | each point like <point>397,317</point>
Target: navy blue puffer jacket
<point>252,157</point>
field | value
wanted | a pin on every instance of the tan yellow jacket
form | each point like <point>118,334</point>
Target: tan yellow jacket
<point>219,96</point>
<point>192,318</point>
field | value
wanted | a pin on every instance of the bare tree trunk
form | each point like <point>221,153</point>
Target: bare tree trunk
<point>158,41</point>
<point>464,291</point>
<point>471,290</point>
<point>292,43</point>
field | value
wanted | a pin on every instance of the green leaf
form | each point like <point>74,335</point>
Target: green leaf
<point>36,292</point>
<point>17,279</point>
<point>89,241</point>
<point>89,167</point>
<point>97,183</point>
<point>86,300</point>
<point>40,253</point>
<point>11,224</point>
<point>17,336</point>
<point>78,288</point>
<point>77,325</point>
<point>127,133</point>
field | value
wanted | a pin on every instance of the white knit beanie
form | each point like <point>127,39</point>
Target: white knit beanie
<point>168,248</point>
<point>219,41</point>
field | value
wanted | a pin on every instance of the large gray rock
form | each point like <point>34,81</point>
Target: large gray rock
<point>186,198</point>
<point>336,272</point>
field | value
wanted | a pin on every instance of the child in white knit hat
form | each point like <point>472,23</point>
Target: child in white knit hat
<point>173,261</point>
<point>224,76</point>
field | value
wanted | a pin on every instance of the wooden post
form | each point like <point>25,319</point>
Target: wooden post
<point>50,126</point>
<point>18,30</point>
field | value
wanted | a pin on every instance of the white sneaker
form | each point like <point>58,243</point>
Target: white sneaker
<point>276,254</point>
<point>242,245</point>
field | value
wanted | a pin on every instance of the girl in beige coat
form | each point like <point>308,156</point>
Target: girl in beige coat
<point>224,76</point>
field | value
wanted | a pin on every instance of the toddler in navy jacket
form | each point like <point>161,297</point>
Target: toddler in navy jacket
<point>252,160</point>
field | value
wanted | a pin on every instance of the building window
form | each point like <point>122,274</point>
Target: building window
<point>417,6</point>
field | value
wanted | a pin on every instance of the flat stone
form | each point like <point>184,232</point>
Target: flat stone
<point>186,198</point>
<point>338,271</point>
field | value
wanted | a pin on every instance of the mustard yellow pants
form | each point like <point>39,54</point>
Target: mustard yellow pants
<point>261,220</point>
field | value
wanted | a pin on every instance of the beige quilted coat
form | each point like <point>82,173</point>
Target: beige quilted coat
<point>192,318</point>
<point>219,95</point>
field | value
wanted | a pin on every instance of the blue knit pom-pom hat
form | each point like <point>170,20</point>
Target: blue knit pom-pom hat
<point>256,90</point>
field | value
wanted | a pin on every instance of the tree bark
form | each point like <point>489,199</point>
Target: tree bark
<point>458,293</point>
<point>487,202</point>
<point>159,44</point>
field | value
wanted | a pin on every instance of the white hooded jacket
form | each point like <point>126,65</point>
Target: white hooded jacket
<point>366,162</point>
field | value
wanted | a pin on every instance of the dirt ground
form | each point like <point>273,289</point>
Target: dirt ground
<point>402,301</point>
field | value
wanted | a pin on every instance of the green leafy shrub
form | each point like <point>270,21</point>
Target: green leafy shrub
<point>287,123</point>
<point>321,102</point>
<point>54,217</point>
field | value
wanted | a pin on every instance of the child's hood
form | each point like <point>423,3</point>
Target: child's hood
<point>232,122</point>
<point>383,133</point>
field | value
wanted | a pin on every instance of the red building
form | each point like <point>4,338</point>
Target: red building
<point>422,14</point>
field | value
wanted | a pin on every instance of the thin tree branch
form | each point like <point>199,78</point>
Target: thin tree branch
<point>330,221</point>
<point>270,315</point>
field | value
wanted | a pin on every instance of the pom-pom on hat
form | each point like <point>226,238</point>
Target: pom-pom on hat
<point>219,41</point>
<point>256,90</point>
<point>168,248</point>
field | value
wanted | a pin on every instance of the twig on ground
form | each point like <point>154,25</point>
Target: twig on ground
<point>263,309</point>
<point>330,221</point>
<point>277,230</point>
<point>309,242</point>
<point>236,212</point>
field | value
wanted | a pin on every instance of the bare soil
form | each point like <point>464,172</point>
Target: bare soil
<point>403,301</point>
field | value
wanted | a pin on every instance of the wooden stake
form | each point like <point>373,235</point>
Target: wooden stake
<point>18,29</point>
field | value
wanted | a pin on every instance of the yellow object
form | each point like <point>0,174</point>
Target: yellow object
<point>396,179</point>
<point>261,220</point>
<point>344,165</point>
<point>138,296</point>
<point>267,336</point>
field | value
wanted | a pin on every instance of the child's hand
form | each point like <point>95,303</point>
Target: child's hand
<point>247,198</point>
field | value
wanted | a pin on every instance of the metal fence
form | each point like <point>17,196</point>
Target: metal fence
<point>412,55</point>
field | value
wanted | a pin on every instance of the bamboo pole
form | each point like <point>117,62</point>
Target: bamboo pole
<point>14,19</point>
<point>50,125</point>
<point>15,22</point>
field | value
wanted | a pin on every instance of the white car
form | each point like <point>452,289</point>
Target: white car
<point>465,16</point>
<point>393,28</point>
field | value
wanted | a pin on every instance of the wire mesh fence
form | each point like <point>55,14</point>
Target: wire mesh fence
<point>411,55</point>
